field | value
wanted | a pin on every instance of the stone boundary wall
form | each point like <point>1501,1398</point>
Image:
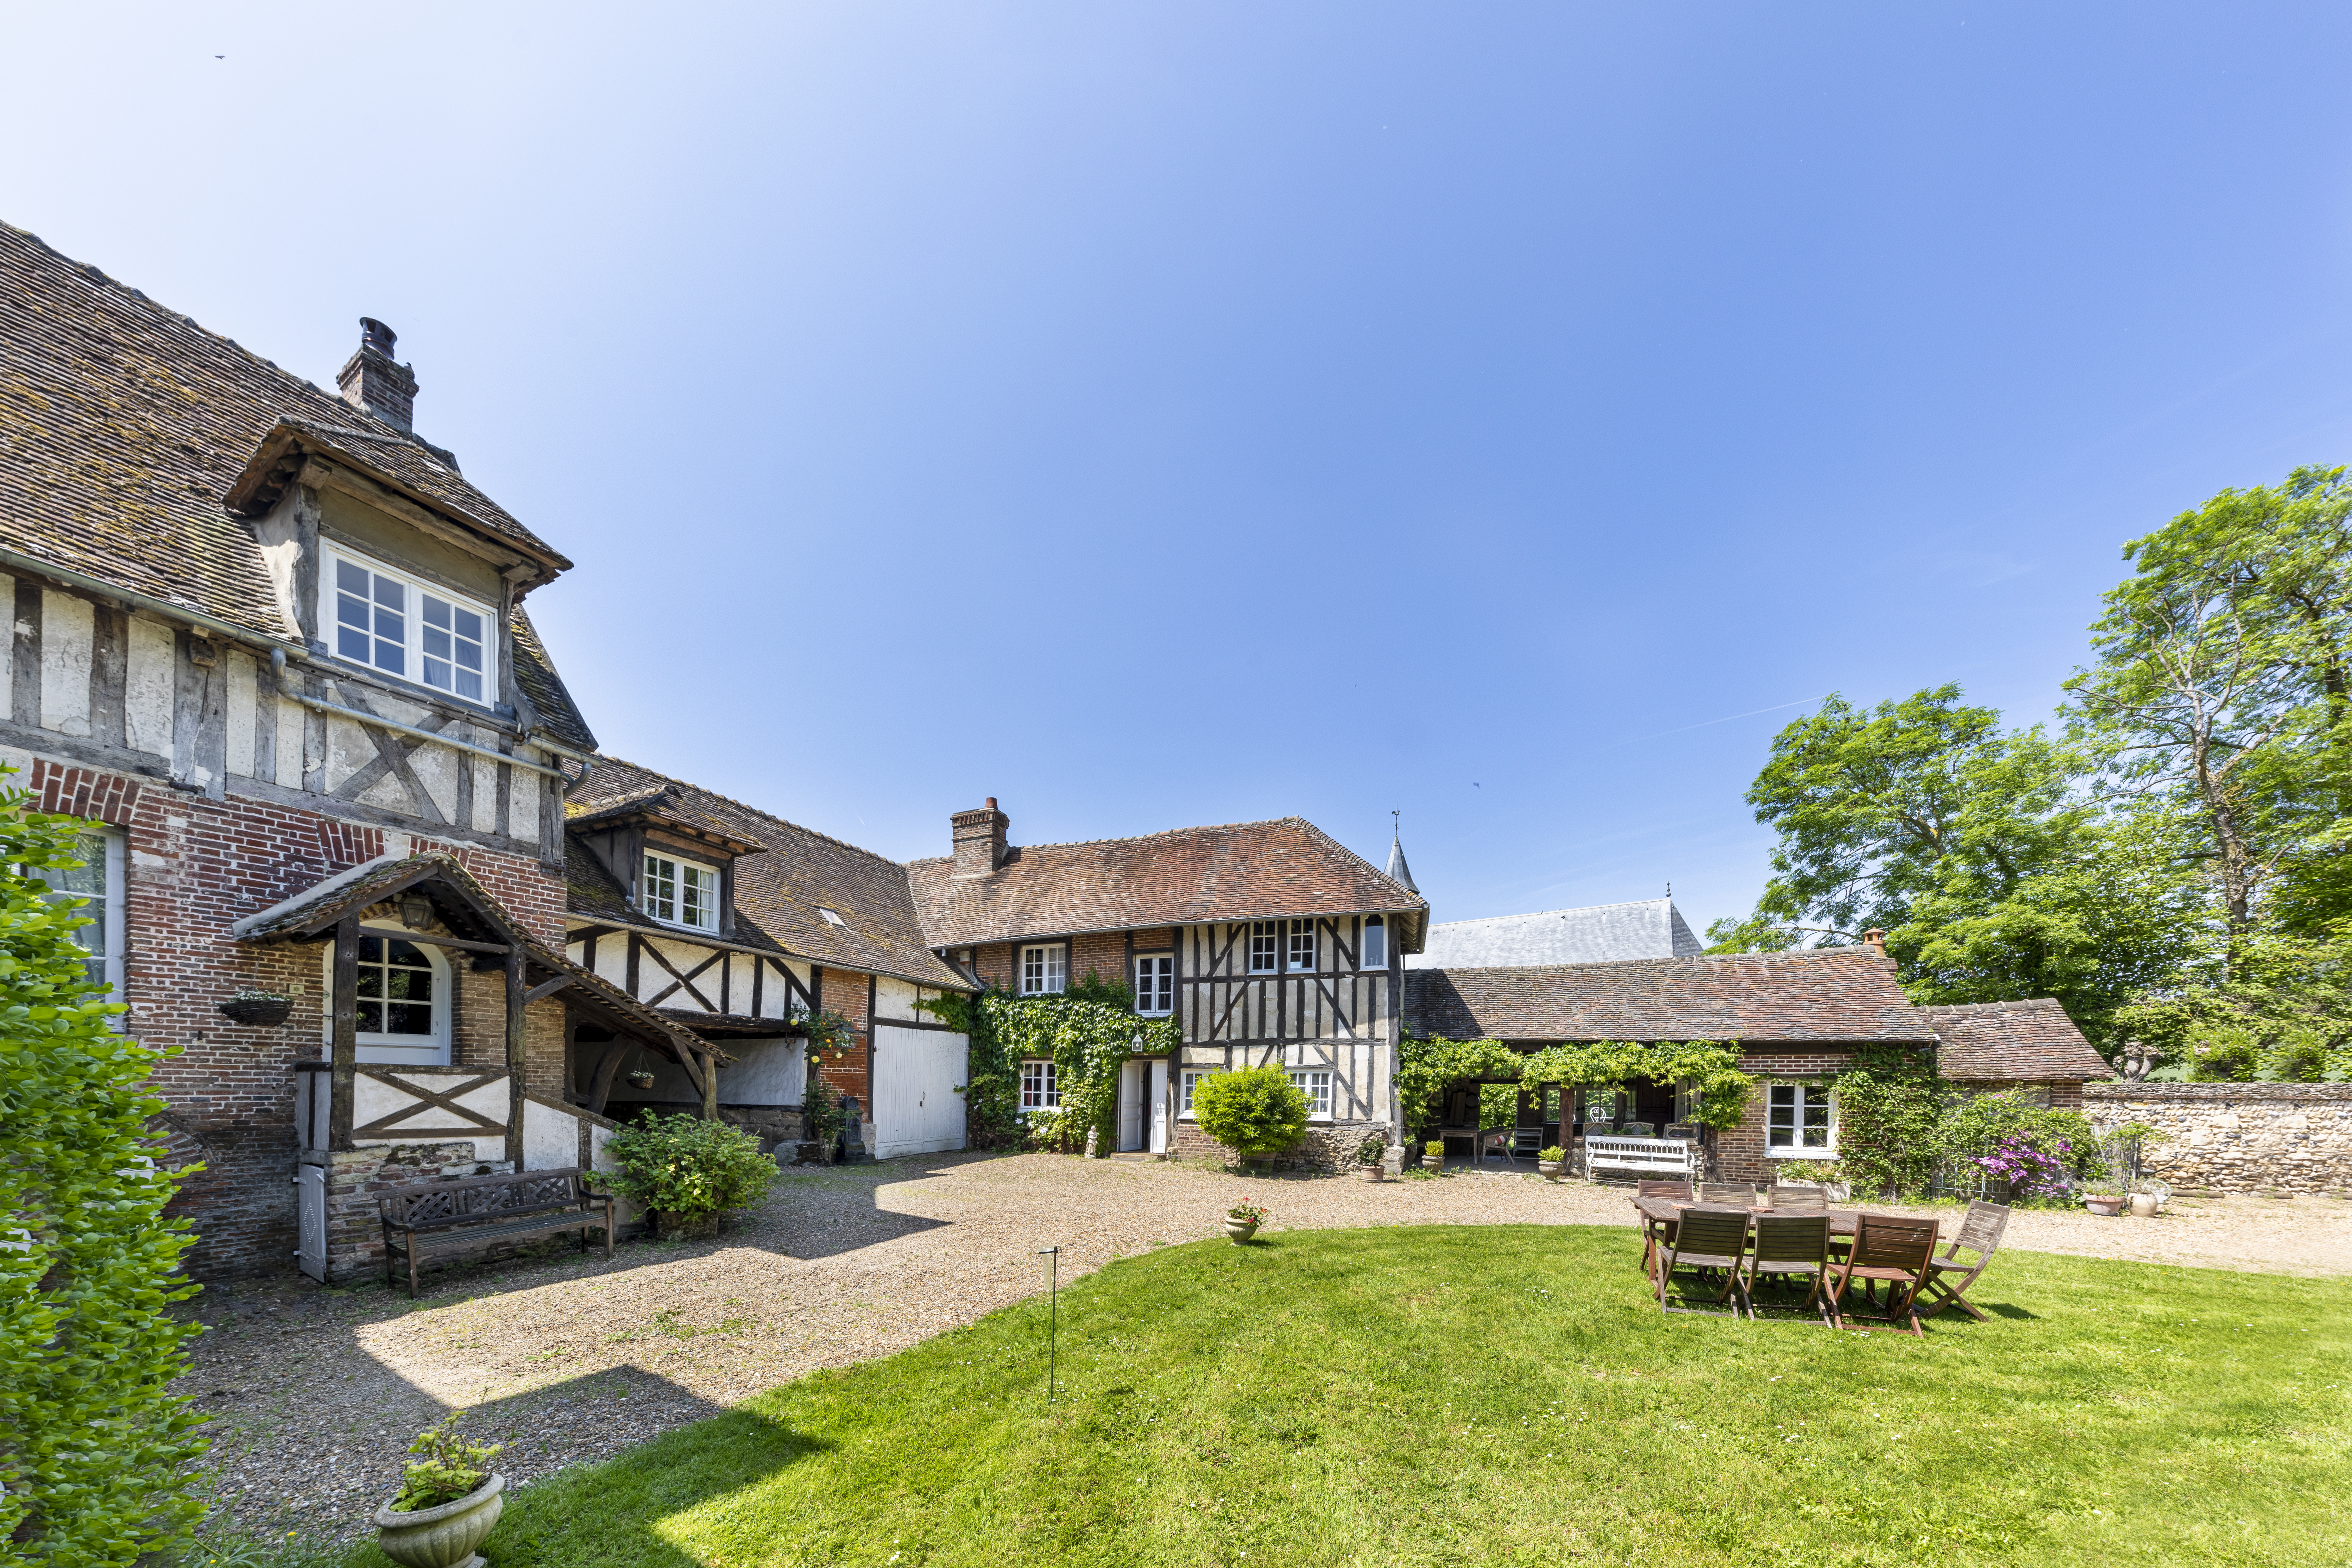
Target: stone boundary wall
<point>1329,1147</point>
<point>2237,1137</point>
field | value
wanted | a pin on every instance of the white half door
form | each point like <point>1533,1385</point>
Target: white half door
<point>1160,1107</point>
<point>917,1110</point>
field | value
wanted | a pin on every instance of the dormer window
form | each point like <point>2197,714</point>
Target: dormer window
<point>403,627</point>
<point>681,892</point>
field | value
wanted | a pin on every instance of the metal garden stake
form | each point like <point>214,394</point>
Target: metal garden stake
<point>1052,1312</point>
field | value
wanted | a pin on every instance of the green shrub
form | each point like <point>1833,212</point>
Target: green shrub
<point>1434,1148</point>
<point>1256,1113</point>
<point>2228,1053</point>
<point>447,1468</point>
<point>1551,1155</point>
<point>93,1444</point>
<point>685,1166</point>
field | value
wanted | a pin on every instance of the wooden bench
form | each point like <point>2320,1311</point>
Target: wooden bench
<point>1653,1157</point>
<point>458,1216</point>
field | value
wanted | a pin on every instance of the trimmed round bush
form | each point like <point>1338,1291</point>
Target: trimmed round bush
<point>1258,1113</point>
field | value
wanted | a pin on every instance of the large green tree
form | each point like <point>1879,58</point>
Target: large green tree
<point>1974,849</point>
<point>2222,687</point>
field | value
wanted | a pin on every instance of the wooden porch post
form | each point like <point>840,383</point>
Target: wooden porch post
<point>709,1087</point>
<point>344,1010</point>
<point>514,1052</point>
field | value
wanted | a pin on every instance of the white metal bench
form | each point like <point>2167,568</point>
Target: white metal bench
<point>1653,1157</point>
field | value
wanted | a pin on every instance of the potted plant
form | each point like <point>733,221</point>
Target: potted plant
<point>448,1499</point>
<point>1370,1153</point>
<point>1242,1221</point>
<point>1552,1163</point>
<point>2149,1198</point>
<point>1433,1154</point>
<point>2104,1198</point>
<point>258,1009</point>
<point>642,1078</point>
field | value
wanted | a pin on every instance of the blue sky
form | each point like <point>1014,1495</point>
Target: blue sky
<point>1163,413</point>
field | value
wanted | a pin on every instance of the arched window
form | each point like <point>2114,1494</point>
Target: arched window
<point>404,1001</point>
<point>1376,943</point>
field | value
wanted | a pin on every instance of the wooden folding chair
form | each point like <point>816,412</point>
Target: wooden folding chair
<point>1790,1245</point>
<point>1706,1238</point>
<point>1790,1199</point>
<point>1737,1194</point>
<point>1948,1276</point>
<point>1657,1231</point>
<point>1891,1252</point>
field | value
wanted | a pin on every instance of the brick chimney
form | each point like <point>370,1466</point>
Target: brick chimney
<point>979,839</point>
<point>372,383</point>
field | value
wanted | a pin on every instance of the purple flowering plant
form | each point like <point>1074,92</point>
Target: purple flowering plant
<point>2027,1170</point>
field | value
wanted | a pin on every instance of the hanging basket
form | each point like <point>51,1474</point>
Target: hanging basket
<point>259,1010</point>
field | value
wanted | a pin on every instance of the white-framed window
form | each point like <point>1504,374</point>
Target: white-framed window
<point>1041,1089</point>
<point>680,892</point>
<point>96,885</point>
<point>1155,983</point>
<point>1317,1086</point>
<point>1799,1122</point>
<point>1376,943</point>
<point>1266,946</point>
<point>1044,969</point>
<point>1300,954</point>
<point>1187,1082</point>
<point>403,627</point>
<point>404,1001</point>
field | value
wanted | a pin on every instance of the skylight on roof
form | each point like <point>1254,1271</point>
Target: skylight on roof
<point>829,915</point>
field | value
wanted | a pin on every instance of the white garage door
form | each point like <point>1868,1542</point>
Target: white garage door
<point>917,1110</point>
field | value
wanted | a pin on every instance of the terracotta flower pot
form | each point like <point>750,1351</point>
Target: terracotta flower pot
<point>444,1537</point>
<point>2106,1207</point>
<point>1239,1231</point>
<point>1374,1174</point>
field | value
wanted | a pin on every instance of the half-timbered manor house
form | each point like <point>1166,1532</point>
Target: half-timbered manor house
<point>1269,942</point>
<point>270,644</point>
<point>731,922</point>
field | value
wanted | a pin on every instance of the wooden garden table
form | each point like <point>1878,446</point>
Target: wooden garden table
<point>1841,1221</point>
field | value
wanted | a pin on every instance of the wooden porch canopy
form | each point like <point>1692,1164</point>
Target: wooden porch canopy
<point>463,918</point>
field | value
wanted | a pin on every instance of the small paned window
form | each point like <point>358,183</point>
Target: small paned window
<point>1040,1088</point>
<point>1376,943</point>
<point>396,993</point>
<point>1266,946</point>
<point>680,893</point>
<point>95,887</point>
<point>1189,1082</point>
<point>404,628</point>
<point>1044,969</point>
<point>1800,1120</point>
<point>1317,1088</point>
<point>1155,983</point>
<point>1302,945</point>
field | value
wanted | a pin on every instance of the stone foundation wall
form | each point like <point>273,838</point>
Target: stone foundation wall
<point>1328,1146</point>
<point>2237,1137</point>
<point>357,1178</point>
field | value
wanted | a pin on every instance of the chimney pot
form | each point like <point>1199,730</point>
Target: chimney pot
<point>1876,938</point>
<point>373,382</point>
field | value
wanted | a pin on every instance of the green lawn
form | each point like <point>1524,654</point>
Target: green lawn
<point>1469,1396</point>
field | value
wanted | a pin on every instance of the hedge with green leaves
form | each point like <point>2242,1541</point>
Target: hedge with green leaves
<point>1257,1113</point>
<point>93,1443</point>
<point>1088,1032</point>
<point>682,1165</point>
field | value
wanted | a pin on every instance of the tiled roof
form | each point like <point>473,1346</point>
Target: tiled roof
<point>1247,870</point>
<point>667,804</point>
<point>124,426</point>
<point>1846,994</point>
<point>2028,1041</point>
<point>545,691</point>
<point>778,890</point>
<point>1602,933</point>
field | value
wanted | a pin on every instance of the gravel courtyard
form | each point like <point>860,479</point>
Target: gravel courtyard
<point>315,1393</point>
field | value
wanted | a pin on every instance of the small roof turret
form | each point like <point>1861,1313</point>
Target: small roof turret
<point>1399,872</point>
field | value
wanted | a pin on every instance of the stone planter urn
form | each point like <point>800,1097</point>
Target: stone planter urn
<point>1239,1231</point>
<point>2106,1206</point>
<point>1433,1162</point>
<point>444,1537</point>
<point>1374,1174</point>
<point>2144,1205</point>
<point>1552,1170</point>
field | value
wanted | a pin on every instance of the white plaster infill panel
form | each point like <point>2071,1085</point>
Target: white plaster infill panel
<point>550,1139</point>
<point>685,957</point>
<point>895,999</point>
<point>393,1105</point>
<point>598,1160</point>
<point>68,629</point>
<point>764,1072</point>
<point>147,691</point>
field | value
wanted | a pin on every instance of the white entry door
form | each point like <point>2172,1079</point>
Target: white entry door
<point>1130,1106</point>
<point>917,1110</point>
<point>1160,1107</point>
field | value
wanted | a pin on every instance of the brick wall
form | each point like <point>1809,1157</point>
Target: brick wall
<point>192,866</point>
<point>842,991</point>
<point>1737,1153</point>
<point>1102,954</point>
